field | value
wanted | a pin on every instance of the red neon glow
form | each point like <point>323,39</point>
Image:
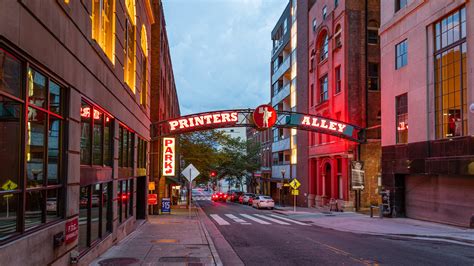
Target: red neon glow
<point>204,120</point>
<point>86,113</point>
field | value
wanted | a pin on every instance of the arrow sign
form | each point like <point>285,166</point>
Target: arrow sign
<point>190,172</point>
<point>361,187</point>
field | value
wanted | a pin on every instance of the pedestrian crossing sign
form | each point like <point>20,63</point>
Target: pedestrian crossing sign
<point>9,185</point>
<point>295,184</point>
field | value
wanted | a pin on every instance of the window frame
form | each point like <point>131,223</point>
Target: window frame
<point>22,189</point>
<point>337,80</point>
<point>371,77</point>
<point>323,92</point>
<point>401,111</point>
<point>403,54</point>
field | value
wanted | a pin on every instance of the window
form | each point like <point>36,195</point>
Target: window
<point>314,24</point>
<point>373,76</point>
<point>338,80</point>
<point>126,144</point>
<point>311,95</point>
<point>324,49</point>
<point>336,3</point>
<point>324,12</point>
<point>323,89</point>
<point>338,36</point>
<point>36,116</point>
<point>142,152</point>
<point>285,26</point>
<point>130,53</point>
<point>399,4</point>
<point>372,36</point>
<point>401,54</point>
<point>144,80</point>
<point>95,214</point>
<point>96,136</point>
<point>103,26</point>
<point>125,199</point>
<point>401,107</point>
<point>451,110</point>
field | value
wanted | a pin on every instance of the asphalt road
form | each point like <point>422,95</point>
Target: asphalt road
<point>290,243</point>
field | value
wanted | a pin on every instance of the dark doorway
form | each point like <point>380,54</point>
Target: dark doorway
<point>327,181</point>
<point>141,197</point>
<point>399,196</point>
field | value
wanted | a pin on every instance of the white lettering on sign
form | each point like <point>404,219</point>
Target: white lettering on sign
<point>204,120</point>
<point>168,156</point>
<point>323,123</point>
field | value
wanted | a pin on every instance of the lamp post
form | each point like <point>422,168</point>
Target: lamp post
<point>283,171</point>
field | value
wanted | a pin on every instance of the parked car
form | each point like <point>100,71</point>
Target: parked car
<point>251,198</point>
<point>261,201</point>
<point>219,196</point>
<point>246,197</point>
<point>234,196</point>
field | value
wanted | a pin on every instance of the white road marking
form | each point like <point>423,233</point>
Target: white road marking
<point>254,219</point>
<point>219,220</point>
<point>271,219</point>
<point>288,220</point>
<point>236,219</point>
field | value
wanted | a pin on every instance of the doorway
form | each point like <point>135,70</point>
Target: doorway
<point>141,197</point>
<point>399,196</point>
<point>327,181</point>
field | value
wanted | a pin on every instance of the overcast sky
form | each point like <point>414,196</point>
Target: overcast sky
<point>221,51</point>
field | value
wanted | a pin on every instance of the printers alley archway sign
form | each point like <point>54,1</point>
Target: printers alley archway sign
<point>263,117</point>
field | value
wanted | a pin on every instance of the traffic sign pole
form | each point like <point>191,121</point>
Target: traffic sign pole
<point>190,188</point>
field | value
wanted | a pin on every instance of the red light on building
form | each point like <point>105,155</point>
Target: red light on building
<point>86,113</point>
<point>213,173</point>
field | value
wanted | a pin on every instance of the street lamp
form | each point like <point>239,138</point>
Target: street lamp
<point>283,171</point>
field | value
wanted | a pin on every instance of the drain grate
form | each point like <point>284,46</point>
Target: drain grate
<point>118,261</point>
<point>194,260</point>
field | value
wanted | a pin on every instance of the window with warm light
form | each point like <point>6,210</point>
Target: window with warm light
<point>401,107</point>
<point>144,80</point>
<point>103,25</point>
<point>451,74</point>
<point>130,49</point>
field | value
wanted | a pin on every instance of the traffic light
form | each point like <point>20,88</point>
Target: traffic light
<point>213,173</point>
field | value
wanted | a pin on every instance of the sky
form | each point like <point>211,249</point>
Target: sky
<point>220,51</point>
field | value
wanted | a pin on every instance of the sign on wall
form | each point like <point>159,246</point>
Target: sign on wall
<point>72,231</point>
<point>203,121</point>
<point>169,155</point>
<point>152,199</point>
<point>357,175</point>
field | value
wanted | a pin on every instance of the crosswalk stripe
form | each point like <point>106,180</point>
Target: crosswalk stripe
<point>271,219</point>
<point>236,219</point>
<point>289,220</point>
<point>219,220</point>
<point>254,219</point>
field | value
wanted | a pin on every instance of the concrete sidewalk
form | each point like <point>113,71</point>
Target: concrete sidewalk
<point>364,224</point>
<point>173,239</point>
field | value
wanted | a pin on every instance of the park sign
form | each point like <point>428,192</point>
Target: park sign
<point>169,156</point>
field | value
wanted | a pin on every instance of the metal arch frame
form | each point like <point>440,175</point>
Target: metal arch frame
<point>245,119</point>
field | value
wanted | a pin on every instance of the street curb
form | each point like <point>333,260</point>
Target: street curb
<point>215,254</point>
<point>230,256</point>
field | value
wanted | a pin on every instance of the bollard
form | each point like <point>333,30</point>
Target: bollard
<point>381,211</point>
<point>371,211</point>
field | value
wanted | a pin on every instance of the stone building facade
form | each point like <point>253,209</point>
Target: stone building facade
<point>74,126</point>
<point>427,109</point>
<point>343,73</point>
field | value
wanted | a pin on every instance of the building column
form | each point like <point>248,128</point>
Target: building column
<point>345,178</point>
<point>334,181</point>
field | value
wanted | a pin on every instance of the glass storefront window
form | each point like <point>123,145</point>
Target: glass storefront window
<point>53,205</point>
<point>10,139</point>
<point>85,133</point>
<point>10,74</point>
<point>54,134</point>
<point>95,212</point>
<point>35,147</point>
<point>97,146</point>
<point>83,221</point>
<point>107,141</point>
<point>34,209</point>
<point>54,97</point>
<point>36,88</point>
<point>8,214</point>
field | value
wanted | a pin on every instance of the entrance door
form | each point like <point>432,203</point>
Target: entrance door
<point>399,196</point>
<point>327,181</point>
<point>141,197</point>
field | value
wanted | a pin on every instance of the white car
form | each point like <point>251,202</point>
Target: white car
<point>263,202</point>
<point>246,197</point>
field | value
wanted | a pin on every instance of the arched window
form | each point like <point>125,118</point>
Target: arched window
<point>324,47</point>
<point>337,36</point>
<point>130,50</point>
<point>144,76</point>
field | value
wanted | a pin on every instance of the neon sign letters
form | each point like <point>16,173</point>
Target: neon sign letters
<point>204,120</point>
<point>168,156</point>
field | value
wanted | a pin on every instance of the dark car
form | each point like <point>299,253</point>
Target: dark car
<point>234,196</point>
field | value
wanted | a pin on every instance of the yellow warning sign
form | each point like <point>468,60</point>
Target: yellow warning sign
<point>9,185</point>
<point>295,192</point>
<point>295,184</point>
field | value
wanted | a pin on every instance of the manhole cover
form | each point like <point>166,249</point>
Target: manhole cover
<point>118,261</point>
<point>165,241</point>
<point>180,259</point>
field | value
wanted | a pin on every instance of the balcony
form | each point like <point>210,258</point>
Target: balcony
<point>281,145</point>
<point>281,94</point>
<point>281,69</point>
